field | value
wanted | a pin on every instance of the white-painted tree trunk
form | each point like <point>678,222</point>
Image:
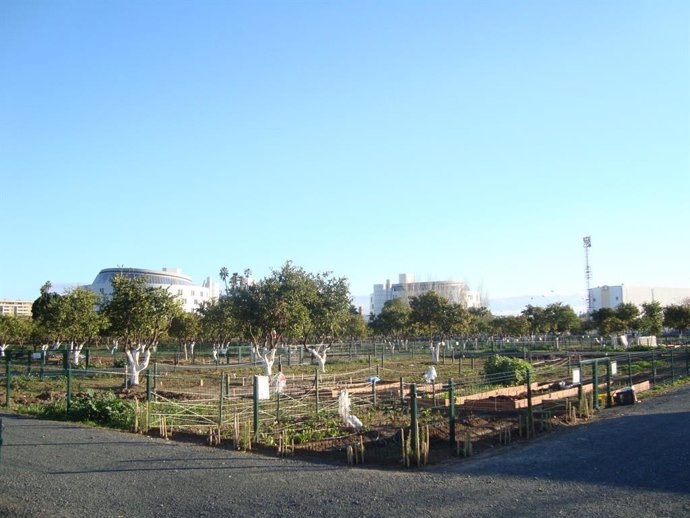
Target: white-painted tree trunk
<point>267,359</point>
<point>435,353</point>
<point>320,359</point>
<point>391,346</point>
<point>75,352</point>
<point>2,349</point>
<point>319,353</point>
<point>135,365</point>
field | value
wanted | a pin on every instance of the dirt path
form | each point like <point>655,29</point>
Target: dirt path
<point>630,462</point>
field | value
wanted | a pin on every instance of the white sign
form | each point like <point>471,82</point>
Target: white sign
<point>614,368</point>
<point>576,376</point>
<point>263,387</point>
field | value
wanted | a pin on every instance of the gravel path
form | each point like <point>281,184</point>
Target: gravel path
<point>630,462</point>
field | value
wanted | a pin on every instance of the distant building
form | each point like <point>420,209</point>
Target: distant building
<point>16,308</point>
<point>456,292</point>
<point>171,279</point>
<point>614,296</point>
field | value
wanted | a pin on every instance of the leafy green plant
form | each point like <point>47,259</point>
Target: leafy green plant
<point>106,409</point>
<point>505,370</point>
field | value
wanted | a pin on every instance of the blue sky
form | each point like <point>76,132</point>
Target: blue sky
<point>466,140</point>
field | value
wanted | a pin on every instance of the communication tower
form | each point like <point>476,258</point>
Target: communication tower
<point>587,243</point>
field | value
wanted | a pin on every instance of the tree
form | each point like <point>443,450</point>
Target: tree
<point>480,321</point>
<point>560,319</point>
<point>454,320</point>
<point>79,319</point>
<point>652,318</point>
<point>13,330</point>
<point>356,327</point>
<point>393,322</point>
<point>427,311</point>
<point>48,315</point>
<point>627,313</point>
<point>289,305</point>
<point>510,325</point>
<point>186,327</point>
<point>139,315</point>
<point>536,318</point>
<point>677,316</point>
<point>328,308</point>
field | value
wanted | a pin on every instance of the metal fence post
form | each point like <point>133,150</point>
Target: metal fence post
<point>316,384</point>
<point>414,428</point>
<point>220,402</point>
<point>609,399</point>
<point>256,408</point>
<point>530,410</point>
<point>155,374</point>
<point>8,382</point>
<point>69,386</point>
<point>148,385</point>
<point>277,405</point>
<point>402,394</point>
<point>653,368</point>
<point>673,369</point>
<point>595,384</point>
<point>630,375</point>
<point>451,419</point>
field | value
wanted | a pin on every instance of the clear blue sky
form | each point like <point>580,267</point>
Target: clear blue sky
<point>470,140</point>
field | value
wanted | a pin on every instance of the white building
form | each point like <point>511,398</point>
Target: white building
<point>15,308</point>
<point>614,296</point>
<point>455,292</point>
<point>171,279</point>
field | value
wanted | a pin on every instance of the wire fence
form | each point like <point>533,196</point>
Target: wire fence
<point>404,419</point>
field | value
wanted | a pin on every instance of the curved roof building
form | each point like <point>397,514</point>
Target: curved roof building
<point>454,291</point>
<point>170,279</point>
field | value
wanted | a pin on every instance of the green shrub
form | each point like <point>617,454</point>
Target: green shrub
<point>106,409</point>
<point>504,370</point>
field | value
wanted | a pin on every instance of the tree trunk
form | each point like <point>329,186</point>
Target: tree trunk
<point>267,359</point>
<point>76,352</point>
<point>135,366</point>
<point>320,356</point>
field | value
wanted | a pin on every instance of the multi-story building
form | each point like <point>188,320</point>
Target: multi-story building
<point>15,308</point>
<point>614,296</point>
<point>171,279</point>
<point>456,292</point>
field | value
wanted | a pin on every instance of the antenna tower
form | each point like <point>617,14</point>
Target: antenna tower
<point>587,243</point>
